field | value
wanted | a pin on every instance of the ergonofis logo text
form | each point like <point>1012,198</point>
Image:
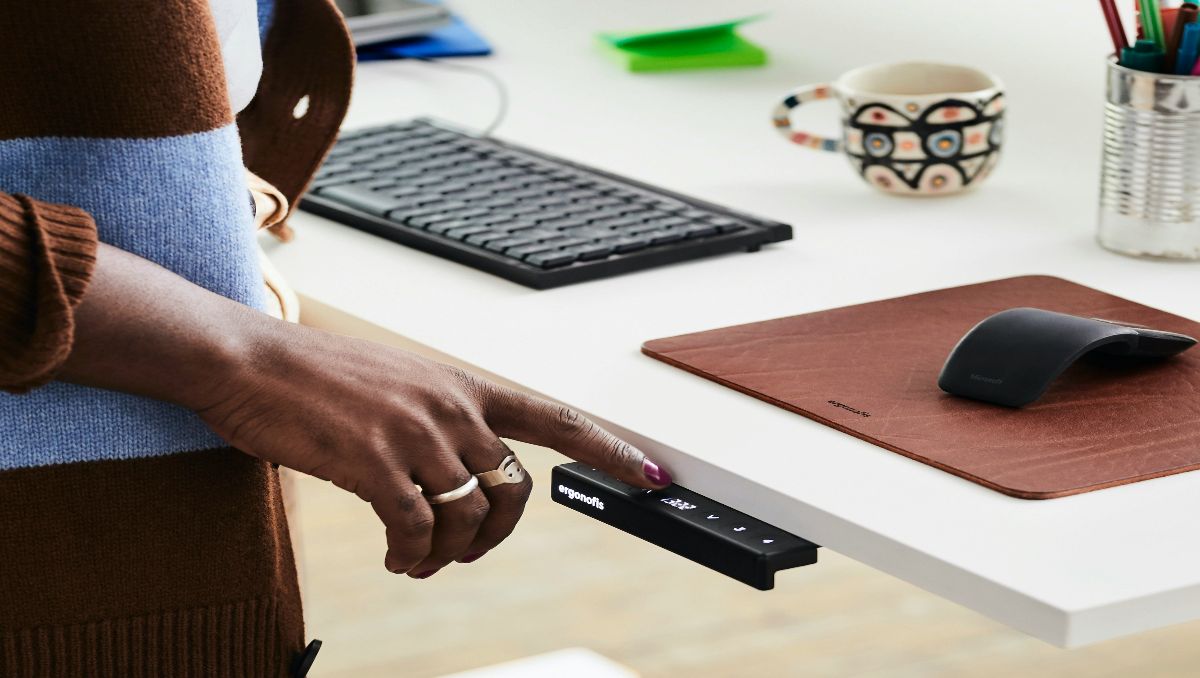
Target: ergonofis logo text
<point>581,497</point>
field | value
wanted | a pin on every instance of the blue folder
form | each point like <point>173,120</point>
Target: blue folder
<point>455,39</point>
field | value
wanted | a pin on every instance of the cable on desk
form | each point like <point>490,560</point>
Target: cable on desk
<point>501,90</point>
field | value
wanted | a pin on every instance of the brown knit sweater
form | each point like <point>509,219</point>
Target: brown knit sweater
<point>146,562</point>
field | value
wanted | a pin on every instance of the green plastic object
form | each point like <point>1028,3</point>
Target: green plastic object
<point>1143,56</point>
<point>709,46</point>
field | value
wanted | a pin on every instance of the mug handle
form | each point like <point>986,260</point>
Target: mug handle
<point>783,122</point>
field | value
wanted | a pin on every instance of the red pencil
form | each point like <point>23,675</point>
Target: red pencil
<point>1115,29</point>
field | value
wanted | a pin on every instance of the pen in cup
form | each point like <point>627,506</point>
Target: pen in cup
<point>1184,17</point>
<point>1189,50</point>
<point>1115,30</point>
<point>1151,20</point>
<point>1143,56</point>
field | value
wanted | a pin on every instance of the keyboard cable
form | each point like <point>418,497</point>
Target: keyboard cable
<point>497,83</point>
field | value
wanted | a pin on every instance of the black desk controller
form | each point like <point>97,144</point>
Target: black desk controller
<point>684,523</point>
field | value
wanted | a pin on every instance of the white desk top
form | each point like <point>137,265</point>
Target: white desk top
<point>1070,571</point>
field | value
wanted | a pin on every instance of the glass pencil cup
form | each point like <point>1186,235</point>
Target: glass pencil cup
<point>1150,170</point>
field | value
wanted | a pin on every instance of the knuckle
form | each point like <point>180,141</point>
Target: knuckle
<point>476,511</point>
<point>457,373</point>
<point>448,407</point>
<point>417,523</point>
<point>497,449</point>
<point>468,383</point>
<point>410,502</point>
<point>570,422</point>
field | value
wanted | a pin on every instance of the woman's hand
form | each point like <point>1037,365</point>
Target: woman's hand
<point>375,420</point>
<point>378,421</point>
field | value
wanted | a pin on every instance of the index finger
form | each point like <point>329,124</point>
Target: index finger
<point>519,416</point>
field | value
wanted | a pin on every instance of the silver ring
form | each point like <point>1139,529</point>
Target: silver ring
<point>509,471</point>
<point>457,493</point>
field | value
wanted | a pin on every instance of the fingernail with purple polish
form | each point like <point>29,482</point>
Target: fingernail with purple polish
<point>472,557</point>
<point>655,474</point>
<point>424,575</point>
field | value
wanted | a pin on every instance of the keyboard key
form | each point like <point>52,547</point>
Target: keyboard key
<point>657,214</point>
<point>548,214</point>
<point>572,210</point>
<point>451,187</point>
<point>538,233</point>
<point>551,259</point>
<point>623,222</point>
<point>497,186</point>
<point>403,191</point>
<point>670,222</point>
<point>460,233</point>
<point>443,226</point>
<point>569,241</point>
<point>452,205</point>
<point>518,210</point>
<point>698,230</point>
<point>630,243</point>
<point>602,201</point>
<point>428,180</point>
<point>591,251</point>
<point>504,243</point>
<point>632,208</point>
<point>670,205</point>
<point>403,173</point>
<point>472,213</point>
<point>362,198</point>
<point>605,214</point>
<point>384,185</point>
<point>725,224</point>
<point>384,164</point>
<point>549,201</point>
<point>484,237</point>
<point>519,225</point>
<point>525,193</point>
<point>460,171</point>
<point>663,236</point>
<point>591,232</point>
<point>563,223</point>
<point>522,251</point>
<point>427,220</point>
<point>492,220</point>
<point>344,178</point>
<point>529,181</point>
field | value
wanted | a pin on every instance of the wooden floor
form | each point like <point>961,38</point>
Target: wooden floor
<point>562,580</point>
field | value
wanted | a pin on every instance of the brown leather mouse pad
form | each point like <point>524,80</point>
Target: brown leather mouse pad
<point>871,371</point>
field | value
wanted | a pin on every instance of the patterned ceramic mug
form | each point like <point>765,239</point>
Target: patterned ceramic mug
<point>910,128</point>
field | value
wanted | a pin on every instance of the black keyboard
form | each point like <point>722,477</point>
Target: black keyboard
<point>522,215</point>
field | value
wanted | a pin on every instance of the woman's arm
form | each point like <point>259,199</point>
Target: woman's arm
<point>375,420</point>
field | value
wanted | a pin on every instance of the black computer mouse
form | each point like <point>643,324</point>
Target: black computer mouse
<point>1011,357</point>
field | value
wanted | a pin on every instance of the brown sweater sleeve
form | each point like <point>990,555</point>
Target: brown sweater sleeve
<point>47,253</point>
